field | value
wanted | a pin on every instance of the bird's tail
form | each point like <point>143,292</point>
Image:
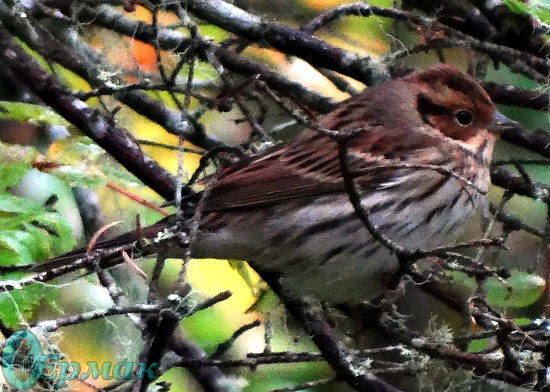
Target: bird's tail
<point>123,242</point>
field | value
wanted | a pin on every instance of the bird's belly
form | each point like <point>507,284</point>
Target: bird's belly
<point>321,248</point>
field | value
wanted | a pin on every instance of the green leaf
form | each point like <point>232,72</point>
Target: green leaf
<point>516,6</point>
<point>543,15</point>
<point>207,328</point>
<point>32,244</point>
<point>539,10</point>
<point>41,247</point>
<point>14,221</point>
<point>34,114</point>
<point>477,345</point>
<point>266,301</point>
<point>524,290</point>
<point>15,161</point>
<point>214,32</point>
<point>10,203</point>
<point>11,174</point>
<point>462,280</point>
<point>8,257</point>
<point>14,240</point>
<point>78,176</point>
<point>74,148</point>
<point>121,176</point>
<point>9,310</point>
<point>62,241</point>
<point>36,238</point>
<point>242,270</point>
<point>21,303</point>
<point>522,321</point>
<point>30,233</point>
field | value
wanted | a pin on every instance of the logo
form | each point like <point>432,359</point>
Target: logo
<point>23,364</point>
<point>21,351</point>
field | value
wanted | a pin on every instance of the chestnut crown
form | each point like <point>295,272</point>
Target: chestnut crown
<point>453,102</point>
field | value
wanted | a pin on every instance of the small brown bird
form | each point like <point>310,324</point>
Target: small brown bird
<point>421,165</point>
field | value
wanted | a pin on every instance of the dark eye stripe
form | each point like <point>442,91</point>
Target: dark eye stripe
<point>427,107</point>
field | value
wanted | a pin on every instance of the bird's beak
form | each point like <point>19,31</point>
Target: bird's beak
<point>501,123</point>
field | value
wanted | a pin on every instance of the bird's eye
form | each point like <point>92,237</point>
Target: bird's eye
<point>463,117</point>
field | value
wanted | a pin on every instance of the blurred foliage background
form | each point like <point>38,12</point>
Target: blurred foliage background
<point>38,160</point>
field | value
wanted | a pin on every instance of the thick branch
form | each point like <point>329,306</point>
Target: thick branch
<point>508,94</point>
<point>537,141</point>
<point>175,41</point>
<point>344,363</point>
<point>291,41</point>
<point>517,184</point>
<point>90,65</point>
<point>115,140</point>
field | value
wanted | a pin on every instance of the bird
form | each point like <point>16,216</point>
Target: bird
<point>418,150</point>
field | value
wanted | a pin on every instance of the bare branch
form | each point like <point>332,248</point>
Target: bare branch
<point>115,140</point>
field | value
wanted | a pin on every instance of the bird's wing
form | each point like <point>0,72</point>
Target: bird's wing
<point>307,167</point>
<point>290,172</point>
